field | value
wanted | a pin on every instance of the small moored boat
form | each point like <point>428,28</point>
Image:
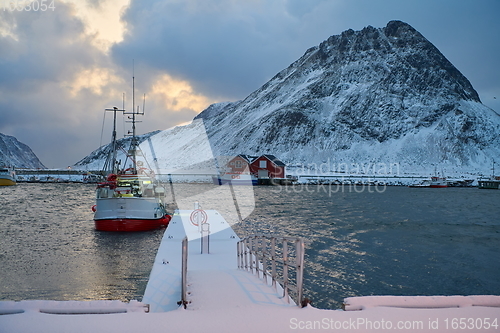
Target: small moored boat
<point>7,176</point>
<point>423,184</point>
<point>492,183</point>
<point>438,182</point>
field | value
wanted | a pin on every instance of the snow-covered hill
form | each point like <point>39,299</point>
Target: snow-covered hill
<point>383,97</point>
<point>96,159</point>
<point>17,154</point>
<point>182,149</point>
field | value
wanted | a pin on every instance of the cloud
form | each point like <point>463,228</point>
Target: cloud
<point>223,48</point>
<point>43,53</point>
<point>56,80</point>
<point>60,69</point>
<point>178,95</point>
<point>102,19</point>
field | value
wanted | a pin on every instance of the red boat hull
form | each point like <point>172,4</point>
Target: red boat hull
<point>128,225</point>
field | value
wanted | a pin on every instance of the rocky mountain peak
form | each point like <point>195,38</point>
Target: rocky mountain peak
<point>17,154</point>
<point>399,29</point>
<point>365,87</point>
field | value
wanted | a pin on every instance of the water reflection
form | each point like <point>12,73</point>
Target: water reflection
<point>50,250</point>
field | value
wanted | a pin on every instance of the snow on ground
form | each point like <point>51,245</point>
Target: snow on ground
<point>262,318</point>
<point>182,149</point>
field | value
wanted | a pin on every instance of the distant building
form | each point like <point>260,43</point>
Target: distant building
<point>240,164</point>
<point>267,166</point>
<point>264,166</point>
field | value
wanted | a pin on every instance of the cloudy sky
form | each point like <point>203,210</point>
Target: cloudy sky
<point>60,68</point>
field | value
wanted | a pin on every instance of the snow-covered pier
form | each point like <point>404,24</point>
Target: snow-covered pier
<point>219,297</point>
<point>214,280</point>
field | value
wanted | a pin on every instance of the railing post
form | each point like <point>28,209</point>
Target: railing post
<point>245,244</point>
<point>257,260</point>
<point>205,238</point>
<point>250,254</point>
<point>273,262</point>
<point>299,251</point>
<point>184,301</point>
<point>285,269</point>
<point>264,258</point>
<point>241,250</point>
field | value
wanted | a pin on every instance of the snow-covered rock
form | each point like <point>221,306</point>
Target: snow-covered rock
<point>17,154</point>
<point>382,95</point>
<point>96,159</point>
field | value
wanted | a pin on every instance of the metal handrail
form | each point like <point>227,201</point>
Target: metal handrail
<point>184,300</point>
<point>258,254</point>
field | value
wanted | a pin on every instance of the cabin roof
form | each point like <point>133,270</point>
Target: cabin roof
<point>273,159</point>
<point>248,158</point>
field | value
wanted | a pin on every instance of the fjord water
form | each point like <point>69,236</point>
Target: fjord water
<point>392,241</point>
<point>359,241</point>
<point>50,250</point>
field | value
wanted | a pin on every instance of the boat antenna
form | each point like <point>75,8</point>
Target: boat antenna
<point>144,104</point>
<point>123,118</point>
<point>133,102</point>
<point>114,139</point>
<point>114,147</point>
<point>132,116</point>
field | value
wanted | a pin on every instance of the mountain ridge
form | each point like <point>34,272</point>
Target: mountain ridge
<point>17,154</point>
<point>372,86</point>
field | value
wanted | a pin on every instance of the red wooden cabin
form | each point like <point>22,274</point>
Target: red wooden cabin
<point>267,166</point>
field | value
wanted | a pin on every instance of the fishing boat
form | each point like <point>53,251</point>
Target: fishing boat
<point>7,176</point>
<point>130,198</point>
<point>422,184</point>
<point>438,182</point>
<point>492,183</point>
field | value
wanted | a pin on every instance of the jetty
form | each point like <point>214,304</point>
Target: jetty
<point>206,279</point>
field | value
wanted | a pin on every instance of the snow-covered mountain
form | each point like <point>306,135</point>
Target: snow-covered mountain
<point>377,97</point>
<point>17,154</point>
<point>96,159</point>
<point>182,149</point>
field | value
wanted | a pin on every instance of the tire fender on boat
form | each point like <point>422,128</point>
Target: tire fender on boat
<point>94,208</point>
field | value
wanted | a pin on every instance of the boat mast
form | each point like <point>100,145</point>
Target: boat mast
<point>133,106</point>
<point>132,153</point>
<point>114,170</point>
<point>114,145</point>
